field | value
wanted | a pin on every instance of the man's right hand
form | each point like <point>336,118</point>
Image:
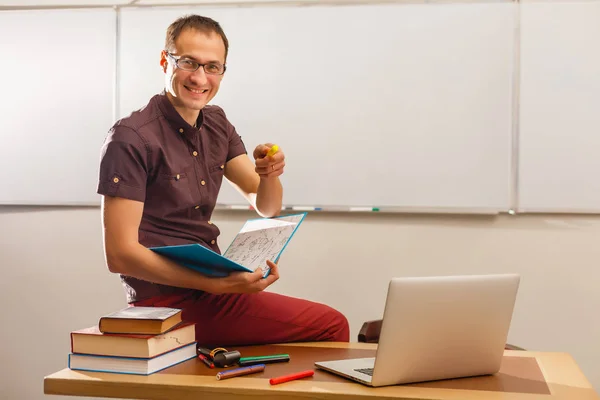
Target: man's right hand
<point>246,282</point>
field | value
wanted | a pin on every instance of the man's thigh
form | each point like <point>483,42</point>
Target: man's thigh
<point>262,318</point>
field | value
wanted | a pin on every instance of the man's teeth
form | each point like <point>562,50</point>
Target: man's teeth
<point>197,90</point>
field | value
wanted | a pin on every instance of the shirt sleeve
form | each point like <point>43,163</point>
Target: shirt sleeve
<point>236,145</point>
<point>123,165</point>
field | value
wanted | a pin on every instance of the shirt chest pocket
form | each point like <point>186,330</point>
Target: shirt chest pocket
<point>173,190</point>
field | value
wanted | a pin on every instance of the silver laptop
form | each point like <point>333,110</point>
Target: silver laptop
<point>437,328</point>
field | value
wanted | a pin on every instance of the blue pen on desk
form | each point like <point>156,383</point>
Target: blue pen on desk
<point>240,371</point>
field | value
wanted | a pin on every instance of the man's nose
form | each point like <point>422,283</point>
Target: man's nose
<point>199,76</point>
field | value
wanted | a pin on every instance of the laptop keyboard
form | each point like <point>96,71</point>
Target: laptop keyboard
<point>367,371</point>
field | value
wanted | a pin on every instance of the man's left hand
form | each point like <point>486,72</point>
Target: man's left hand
<point>268,166</point>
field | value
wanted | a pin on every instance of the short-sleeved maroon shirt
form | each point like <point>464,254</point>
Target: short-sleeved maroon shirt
<point>156,157</point>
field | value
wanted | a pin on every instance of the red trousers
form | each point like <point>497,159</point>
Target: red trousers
<point>253,319</point>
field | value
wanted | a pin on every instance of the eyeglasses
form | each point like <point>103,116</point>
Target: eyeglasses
<point>190,65</point>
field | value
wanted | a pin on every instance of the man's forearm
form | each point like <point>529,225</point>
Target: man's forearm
<point>269,197</point>
<point>142,263</point>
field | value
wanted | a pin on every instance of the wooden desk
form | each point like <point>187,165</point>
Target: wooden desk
<point>523,376</point>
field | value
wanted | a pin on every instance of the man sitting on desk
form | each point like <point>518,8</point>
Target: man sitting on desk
<point>160,173</point>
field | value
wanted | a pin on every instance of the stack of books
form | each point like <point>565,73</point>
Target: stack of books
<point>134,340</point>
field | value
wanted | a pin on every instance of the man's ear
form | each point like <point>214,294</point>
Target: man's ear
<point>163,60</point>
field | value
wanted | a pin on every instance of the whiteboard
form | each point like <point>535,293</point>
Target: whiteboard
<point>396,105</point>
<point>559,160</point>
<point>58,87</point>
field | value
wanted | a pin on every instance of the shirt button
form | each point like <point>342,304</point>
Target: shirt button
<point>177,177</point>
<point>116,180</point>
<point>180,130</point>
<point>195,153</point>
<point>197,207</point>
<point>212,241</point>
<point>222,166</point>
<point>202,183</point>
<point>210,222</point>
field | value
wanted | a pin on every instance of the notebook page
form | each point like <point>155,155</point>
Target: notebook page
<point>263,223</point>
<point>261,240</point>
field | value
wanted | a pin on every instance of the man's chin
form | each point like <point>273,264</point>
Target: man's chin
<point>195,105</point>
<point>183,102</point>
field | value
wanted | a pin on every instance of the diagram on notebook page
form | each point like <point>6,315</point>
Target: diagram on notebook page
<point>261,240</point>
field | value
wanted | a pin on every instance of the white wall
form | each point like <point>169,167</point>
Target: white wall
<point>54,280</point>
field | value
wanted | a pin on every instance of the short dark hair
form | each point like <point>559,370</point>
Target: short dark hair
<point>197,22</point>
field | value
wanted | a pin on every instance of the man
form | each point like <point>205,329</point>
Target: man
<point>160,173</point>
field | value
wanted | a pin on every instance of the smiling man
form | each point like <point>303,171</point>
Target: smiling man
<point>160,173</point>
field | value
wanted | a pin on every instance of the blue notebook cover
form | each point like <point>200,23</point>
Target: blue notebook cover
<point>258,240</point>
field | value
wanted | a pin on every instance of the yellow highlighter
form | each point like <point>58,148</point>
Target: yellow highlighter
<point>273,150</point>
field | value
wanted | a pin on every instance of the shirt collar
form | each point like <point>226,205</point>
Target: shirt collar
<point>174,118</point>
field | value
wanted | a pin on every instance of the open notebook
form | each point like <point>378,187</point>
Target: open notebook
<point>259,240</point>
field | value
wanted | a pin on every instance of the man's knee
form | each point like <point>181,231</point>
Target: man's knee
<point>338,327</point>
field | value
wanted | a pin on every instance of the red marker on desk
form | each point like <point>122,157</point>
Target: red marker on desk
<point>206,361</point>
<point>291,377</point>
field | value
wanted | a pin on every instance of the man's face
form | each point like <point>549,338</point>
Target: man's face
<point>193,89</point>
